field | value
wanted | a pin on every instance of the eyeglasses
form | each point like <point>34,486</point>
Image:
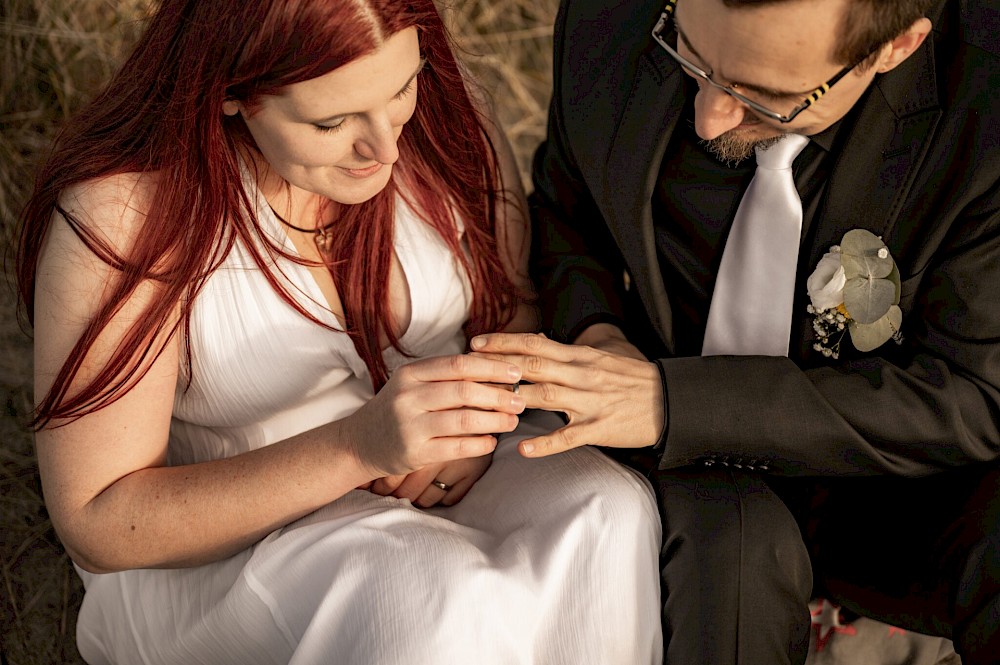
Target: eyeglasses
<point>667,19</point>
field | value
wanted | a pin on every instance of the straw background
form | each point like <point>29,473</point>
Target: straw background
<point>54,54</point>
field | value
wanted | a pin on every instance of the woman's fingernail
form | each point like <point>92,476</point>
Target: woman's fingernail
<point>477,343</point>
<point>517,402</point>
<point>514,373</point>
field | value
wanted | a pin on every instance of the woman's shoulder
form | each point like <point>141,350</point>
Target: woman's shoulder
<point>113,206</point>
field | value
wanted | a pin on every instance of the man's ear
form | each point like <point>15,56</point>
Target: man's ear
<point>903,46</point>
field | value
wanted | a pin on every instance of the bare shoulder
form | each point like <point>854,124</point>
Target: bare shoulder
<point>114,207</point>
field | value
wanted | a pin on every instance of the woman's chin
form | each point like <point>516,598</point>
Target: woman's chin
<point>352,191</point>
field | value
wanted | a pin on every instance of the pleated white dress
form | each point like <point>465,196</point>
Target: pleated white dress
<point>545,561</point>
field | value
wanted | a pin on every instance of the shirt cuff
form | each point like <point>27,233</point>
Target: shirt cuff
<point>662,440</point>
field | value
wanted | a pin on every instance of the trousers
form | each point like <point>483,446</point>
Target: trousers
<point>743,554</point>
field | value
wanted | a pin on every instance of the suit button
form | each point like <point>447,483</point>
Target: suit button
<point>626,280</point>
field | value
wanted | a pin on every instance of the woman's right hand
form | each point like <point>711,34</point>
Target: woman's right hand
<point>432,411</point>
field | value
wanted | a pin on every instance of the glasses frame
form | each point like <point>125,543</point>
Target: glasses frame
<point>667,18</point>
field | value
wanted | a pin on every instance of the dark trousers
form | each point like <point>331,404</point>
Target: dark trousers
<point>743,553</point>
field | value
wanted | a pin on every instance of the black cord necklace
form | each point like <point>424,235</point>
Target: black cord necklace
<point>322,235</point>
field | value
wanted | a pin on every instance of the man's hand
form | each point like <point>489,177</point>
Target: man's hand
<point>610,338</point>
<point>610,399</point>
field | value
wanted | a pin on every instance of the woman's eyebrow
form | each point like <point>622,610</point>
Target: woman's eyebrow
<point>409,81</point>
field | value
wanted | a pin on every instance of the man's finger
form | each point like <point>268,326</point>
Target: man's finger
<point>524,344</point>
<point>465,367</point>
<point>561,440</point>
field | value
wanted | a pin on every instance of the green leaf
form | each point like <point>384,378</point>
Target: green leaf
<point>869,336</point>
<point>860,241</point>
<point>867,300</point>
<point>859,254</point>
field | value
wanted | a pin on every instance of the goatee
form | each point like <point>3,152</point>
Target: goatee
<point>730,148</point>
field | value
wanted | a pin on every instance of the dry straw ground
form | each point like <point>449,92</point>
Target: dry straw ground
<point>53,55</point>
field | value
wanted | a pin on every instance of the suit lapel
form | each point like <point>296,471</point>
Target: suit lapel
<point>878,162</point>
<point>650,115</point>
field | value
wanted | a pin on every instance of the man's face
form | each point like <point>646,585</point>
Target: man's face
<point>776,54</point>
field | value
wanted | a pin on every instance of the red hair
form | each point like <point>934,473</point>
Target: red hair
<point>162,113</point>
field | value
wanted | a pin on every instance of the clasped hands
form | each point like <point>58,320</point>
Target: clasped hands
<point>436,418</point>
<point>610,393</point>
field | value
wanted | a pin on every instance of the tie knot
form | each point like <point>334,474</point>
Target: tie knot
<point>781,154</point>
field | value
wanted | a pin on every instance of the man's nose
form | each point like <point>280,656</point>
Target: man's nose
<point>716,112</point>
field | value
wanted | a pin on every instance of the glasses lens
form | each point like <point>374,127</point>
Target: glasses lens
<point>766,104</point>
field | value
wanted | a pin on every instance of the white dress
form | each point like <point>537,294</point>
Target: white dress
<point>549,561</point>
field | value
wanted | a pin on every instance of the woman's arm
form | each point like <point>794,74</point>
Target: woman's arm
<point>114,502</point>
<point>513,227</point>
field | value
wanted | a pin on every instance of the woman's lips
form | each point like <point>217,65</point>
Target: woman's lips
<point>365,172</point>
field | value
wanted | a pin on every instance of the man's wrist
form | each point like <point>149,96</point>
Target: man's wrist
<point>660,444</point>
<point>599,332</point>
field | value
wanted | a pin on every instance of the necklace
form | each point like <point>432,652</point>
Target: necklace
<point>322,235</point>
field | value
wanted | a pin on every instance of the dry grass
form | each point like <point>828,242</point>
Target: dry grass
<point>53,55</point>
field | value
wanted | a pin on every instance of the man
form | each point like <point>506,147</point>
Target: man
<point>793,463</point>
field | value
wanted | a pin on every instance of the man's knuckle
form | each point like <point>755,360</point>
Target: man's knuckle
<point>458,364</point>
<point>549,393</point>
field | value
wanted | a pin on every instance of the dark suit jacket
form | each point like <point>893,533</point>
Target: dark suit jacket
<point>919,167</point>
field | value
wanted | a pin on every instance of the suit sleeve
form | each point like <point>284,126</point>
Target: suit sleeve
<point>931,404</point>
<point>575,262</point>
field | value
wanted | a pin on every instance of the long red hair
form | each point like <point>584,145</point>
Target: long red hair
<point>162,113</point>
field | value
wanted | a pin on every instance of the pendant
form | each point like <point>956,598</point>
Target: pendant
<point>324,241</point>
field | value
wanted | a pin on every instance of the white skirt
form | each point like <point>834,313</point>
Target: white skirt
<point>550,561</point>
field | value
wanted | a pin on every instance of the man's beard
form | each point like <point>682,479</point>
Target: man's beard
<point>735,146</point>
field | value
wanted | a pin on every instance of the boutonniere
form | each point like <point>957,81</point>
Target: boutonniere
<point>855,290</point>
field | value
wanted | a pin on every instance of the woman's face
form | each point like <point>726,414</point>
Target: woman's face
<point>335,135</point>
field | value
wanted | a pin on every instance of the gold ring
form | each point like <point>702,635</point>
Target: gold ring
<point>441,486</point>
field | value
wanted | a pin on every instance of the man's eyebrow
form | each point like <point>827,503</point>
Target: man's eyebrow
<point>761,89</point>
<point>409,82</point>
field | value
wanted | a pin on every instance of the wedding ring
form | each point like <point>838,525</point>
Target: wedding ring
<point>517,388</point>
<point>441,486</point>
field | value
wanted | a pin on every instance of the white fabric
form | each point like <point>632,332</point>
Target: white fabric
<point>751,308</point>
<point>545,561</point>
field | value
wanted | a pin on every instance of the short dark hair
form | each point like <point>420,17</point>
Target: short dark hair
<point>866,25</point>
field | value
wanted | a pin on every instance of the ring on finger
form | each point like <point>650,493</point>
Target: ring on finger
<point>445,487</point>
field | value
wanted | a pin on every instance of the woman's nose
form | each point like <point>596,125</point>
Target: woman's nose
<point>378,141</point>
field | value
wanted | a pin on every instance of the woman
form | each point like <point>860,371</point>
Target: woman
<point>254,263</point>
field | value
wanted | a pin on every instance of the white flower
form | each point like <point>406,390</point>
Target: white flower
<point>826,285</point>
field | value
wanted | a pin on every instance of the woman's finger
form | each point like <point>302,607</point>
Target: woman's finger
<point>387,485</point>
<point>415,483</point>
<point>460,422</point>
<point>445,395</point>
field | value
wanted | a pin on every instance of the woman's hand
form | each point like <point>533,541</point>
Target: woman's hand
<point>609,399</point>
<point>434,411</point>
<point>459,476</point>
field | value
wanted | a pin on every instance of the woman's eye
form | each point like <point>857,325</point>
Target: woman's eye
<point>329,128</point>
<point>405,91</point>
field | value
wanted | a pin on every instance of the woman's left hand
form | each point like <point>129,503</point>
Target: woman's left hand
<point>459,476</point>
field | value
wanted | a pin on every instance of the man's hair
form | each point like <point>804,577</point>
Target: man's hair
<point>866,25</point>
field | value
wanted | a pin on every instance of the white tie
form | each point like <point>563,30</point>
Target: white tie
<point>751,308</point>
